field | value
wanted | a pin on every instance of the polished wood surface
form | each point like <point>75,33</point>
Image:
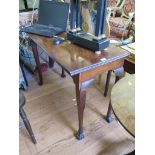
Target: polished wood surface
<point>76,59</point>
<point>123,102</point>
<point>81,64</point>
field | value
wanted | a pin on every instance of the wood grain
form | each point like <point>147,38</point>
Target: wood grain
<point>75,59</point>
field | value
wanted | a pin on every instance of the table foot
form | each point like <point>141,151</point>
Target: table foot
<point>80,88</point>
<point>109,113</point>
<point>80,135</point>
<point>40,83</point>
<point>63,75</point>
<point>109,119</point>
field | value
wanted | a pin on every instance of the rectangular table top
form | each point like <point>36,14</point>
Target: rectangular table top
<point>75,59</point>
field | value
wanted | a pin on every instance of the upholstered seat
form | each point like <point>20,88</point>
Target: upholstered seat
<point>118,22</point>
<point>120,26</point>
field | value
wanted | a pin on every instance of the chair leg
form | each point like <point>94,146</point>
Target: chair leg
<point>27,124</point>
<point>63,75</point>
<point>107,83</point>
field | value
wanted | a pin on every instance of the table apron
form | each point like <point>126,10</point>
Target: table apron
<point>87,75</point>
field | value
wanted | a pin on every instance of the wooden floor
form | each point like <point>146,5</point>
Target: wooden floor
<point>52,112</point>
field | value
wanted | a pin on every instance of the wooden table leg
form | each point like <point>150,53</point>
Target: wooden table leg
<point>119,72</point>
<point>81,98</point>
<point>107,83</point>
<point>109,113</point>
<point>51,62</point>
<point>63,75</point>
<point>36,57</point>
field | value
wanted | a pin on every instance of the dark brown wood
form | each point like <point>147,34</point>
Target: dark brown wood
<point>51,65</point>
<point>107,83</point>
<point>81,99</point>
<point>24,117</point>
<point>51,62</point>
<point>63,75</point>
<point>119,72</point>
<point>129,67</point>
<point>93,72</point>
<point>82,65</point>
<point>55,124</point>
<point>36,57</point>
<point>75,59</point>
<point>109,113</point>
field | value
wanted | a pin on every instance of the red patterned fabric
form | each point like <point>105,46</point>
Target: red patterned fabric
<point>118,25</point>
<point>118,22</point>
<point>129,6</point>
<point>118,33</point>
<point>112,3</point>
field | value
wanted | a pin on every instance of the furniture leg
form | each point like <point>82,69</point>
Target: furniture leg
<point>119,72</point>
<point>109,113</point>
<point>81,98</point>
<point>27,124</point>
<point>107,83</point>
<point>36,57</point>
<point>63,75</point>
<point>51,62</point>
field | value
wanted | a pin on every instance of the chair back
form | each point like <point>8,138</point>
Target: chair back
<point>113,3</point>
<point>128,7</point>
